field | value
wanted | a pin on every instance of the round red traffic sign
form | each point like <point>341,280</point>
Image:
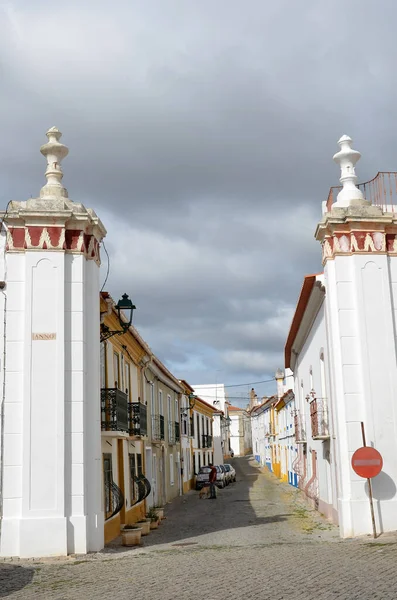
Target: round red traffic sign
<point>367,462</point>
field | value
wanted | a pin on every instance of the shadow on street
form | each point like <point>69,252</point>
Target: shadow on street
<point>14,578</point>
<point>236,507</point>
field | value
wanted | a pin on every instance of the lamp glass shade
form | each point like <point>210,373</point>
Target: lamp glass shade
<point>127,307</point>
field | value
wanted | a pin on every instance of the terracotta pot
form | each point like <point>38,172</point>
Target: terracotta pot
<point>131,537</point>
<point>160,512</point>
<point>145,526</point>
<point>154,524</point>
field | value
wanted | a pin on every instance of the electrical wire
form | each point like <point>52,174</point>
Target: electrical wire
<point>108,269</point>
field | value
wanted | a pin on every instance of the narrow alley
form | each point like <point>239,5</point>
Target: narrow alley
<point>258,540</point>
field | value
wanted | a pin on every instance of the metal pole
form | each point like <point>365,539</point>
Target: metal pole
<point>371,502</point>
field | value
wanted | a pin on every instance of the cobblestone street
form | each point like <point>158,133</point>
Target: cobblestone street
<point>258,540</point>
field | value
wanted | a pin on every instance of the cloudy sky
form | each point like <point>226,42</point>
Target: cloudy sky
<point>202,133</point>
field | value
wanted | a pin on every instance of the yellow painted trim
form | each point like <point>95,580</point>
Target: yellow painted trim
<point>134,514</point>
<point>112,528</point>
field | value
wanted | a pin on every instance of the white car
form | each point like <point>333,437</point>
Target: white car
<point>230,472</point>
<point>203,477</point>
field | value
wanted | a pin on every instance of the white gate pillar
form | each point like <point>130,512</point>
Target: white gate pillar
<point>51,468</point>
<point>359,244</point>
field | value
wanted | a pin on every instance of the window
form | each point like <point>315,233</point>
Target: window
<point>152,402</point>
<point>116,369</point>
<point>176,409</point>
<point>139,465</point>
<point>133,475</point>
<point>122,373</point>
<point>198,431</point>
<point>171,469</point>
<point>127,382</point>
<point>161,411</point>
<point>108,480</point>
<point>169,408</point>
<point>103,364</point>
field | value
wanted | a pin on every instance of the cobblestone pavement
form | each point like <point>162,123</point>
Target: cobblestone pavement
<point>257,540</point>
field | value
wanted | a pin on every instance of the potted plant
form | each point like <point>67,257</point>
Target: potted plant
<point>145,526</point>
<point>131,535</point>
<point>160,511</point>
<point>152,514</point>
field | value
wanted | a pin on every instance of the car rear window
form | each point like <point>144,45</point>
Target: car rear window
<point>227,467</point>
<point>205,470</point>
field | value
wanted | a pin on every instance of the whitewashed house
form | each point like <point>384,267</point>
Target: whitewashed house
<point>240,431</point>
<point>216,395</point>
<point>342,350</point>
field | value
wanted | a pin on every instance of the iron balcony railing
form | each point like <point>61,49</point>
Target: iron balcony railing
<point>319,419</point>
<point>380,191</point>
<point>114,410</point>
<point>177,432</point>
<point>140,487</point>
<point>300,431</point>
<point>206,441</point>
<point>171,432</point>
<point>137,418</point>
<point>157,427</point>
<point>114,499</point>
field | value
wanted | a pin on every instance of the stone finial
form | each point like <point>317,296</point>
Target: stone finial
<point>54,152</point>
<point>346,158</point>
<point>279,374</point>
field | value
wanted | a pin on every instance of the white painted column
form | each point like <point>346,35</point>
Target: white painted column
<point>360,268</point>
<point>51,466</point>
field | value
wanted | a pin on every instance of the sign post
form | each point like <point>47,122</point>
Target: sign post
<point>367,462</point>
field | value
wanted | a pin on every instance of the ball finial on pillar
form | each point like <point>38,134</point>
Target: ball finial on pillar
<point>54,152</point>
<point>347,158</point>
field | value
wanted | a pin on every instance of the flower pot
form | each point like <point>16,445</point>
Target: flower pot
<point>154,524</point>
<point>145,526</point>
<point>131,537</point>
<point>160,512</point>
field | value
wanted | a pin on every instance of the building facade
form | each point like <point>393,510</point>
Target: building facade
<point>202,421</point>
<point>123,422</point>
<point>341,348</point>
<point>240,431</point>
<point>163,394</point>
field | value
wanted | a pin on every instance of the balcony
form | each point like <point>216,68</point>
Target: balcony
<point>206,441</point>
<point>380,191</point>
<point>319,419</point>
<point>114,410</point>
<point>171,432</point>
<point>137,413</point>
<point>157,428</point>
<point>177,432</point>
<point>300,432</point>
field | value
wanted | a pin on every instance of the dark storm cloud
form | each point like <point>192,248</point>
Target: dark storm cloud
<point>203,134</point>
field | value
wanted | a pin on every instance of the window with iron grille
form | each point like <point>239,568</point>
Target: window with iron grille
<point>108,480</point>
<point>139,464</point>
<point>133,475</point>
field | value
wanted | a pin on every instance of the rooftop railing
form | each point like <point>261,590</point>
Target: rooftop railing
<point>380,191</point>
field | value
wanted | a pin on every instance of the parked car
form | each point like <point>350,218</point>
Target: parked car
<point>225,474</point>
<point>203,477</point>
<point>230,472</point>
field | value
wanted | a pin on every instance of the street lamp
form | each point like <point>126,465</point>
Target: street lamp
<point>124,305</point>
